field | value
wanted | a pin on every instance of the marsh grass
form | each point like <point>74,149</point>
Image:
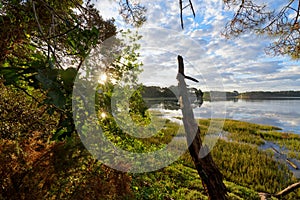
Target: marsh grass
<point>182,182</point>
<point>33,168</point>
<point>247,169</point>
<point>257,134</point>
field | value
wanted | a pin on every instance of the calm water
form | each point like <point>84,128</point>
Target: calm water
<point>284,114</point>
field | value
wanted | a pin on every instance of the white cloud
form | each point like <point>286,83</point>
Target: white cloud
<point>240,63</point>
<point>108,8</point>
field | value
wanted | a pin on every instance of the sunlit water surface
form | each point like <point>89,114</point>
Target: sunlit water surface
<point>284,114</point>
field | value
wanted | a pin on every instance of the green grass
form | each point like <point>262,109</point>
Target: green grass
<point>67,170</point>
<point>247,169</point>
<point>179,181</point>
<point>257,134</point>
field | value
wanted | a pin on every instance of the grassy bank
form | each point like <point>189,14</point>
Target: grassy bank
<point>34,168</point>
<point>246,168</point>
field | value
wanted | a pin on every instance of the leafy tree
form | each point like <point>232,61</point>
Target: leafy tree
<point>133,12</point>
<point>281,23</point>
<point>44,44</point>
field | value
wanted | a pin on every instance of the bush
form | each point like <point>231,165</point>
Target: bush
<point>32,167</point>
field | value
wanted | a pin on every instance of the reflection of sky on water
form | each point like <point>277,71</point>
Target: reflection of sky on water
<point>284,114</point>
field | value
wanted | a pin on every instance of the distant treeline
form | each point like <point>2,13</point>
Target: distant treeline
<point>219,96</point>
<point>155,92</point>
<point>270,95</point>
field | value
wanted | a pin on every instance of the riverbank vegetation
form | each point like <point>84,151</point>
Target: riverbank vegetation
<point>33,166</point>
<point>45,46</point>
<point>155,92</point>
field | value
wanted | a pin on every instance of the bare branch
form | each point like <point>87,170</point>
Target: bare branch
<point>182,8</point>
<point>133,13</point>
<point>43,36</point>
<point>181,17</point>
<point>283,25</point>
<point>297,14</point>
<point>64,33</point>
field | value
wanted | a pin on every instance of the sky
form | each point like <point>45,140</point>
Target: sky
<point>219,64</point>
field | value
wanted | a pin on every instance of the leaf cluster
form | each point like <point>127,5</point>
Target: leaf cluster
<point>280,23</point>
<point>44,45</point>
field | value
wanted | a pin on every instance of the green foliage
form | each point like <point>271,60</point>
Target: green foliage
<point>127,142</point>
<point>33,168</point>
<point>179,181</point>
<point>121,95</point>
<point>176,181</point>
<point>261,19</point>
<point>138,108</point>
<point>21,116</point>
<point>49,48</point>
<point>44,47</point>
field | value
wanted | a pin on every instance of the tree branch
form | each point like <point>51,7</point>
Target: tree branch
<point>182,8</point>
<point>288,190</point>
<point>62,34</point>
<point>297,16</point>
<point>280,194</point>
<point>42,34</point>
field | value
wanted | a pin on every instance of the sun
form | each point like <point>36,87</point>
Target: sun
<point>103,115</point>
<point>102,78</point>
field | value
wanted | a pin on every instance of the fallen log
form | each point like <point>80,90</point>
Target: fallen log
<point>282,193</point>
<point>286,160</point>
<point>288,190</point>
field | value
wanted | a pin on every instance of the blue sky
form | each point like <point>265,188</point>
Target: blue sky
<point>220,64</point>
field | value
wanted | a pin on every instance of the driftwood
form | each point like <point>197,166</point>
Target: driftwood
<point>282,193</point>
<point>292,164</point>
<point>287,190</point>
<point>286,160</point>
<point>211,177</point>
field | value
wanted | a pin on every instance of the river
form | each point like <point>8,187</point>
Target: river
<point>284,114</point>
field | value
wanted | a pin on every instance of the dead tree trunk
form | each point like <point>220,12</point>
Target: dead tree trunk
<point>212,179</point>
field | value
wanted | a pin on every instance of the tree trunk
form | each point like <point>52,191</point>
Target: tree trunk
<point>212,179</point>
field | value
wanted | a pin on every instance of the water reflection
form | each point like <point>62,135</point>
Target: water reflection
<point>284,114</point>
<point>165,104</point>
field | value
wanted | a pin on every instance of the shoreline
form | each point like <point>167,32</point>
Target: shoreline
<point>266,138</point>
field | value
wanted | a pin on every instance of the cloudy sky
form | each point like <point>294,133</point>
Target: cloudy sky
<point>219,64</point>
